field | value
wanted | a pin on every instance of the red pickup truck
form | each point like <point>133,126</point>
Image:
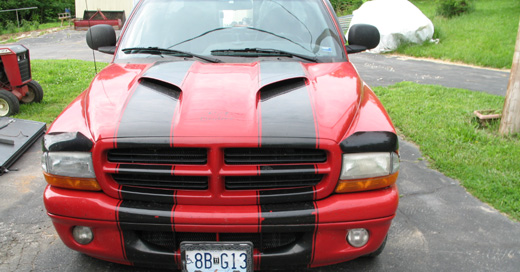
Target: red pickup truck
<point>226,135</point>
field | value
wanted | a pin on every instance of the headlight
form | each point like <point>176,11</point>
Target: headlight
<point>68,164</point>
<point>368,171</point>
<point>72,170</point>
<point>369,165</point>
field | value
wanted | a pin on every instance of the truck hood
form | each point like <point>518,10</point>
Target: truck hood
<point>262,101</point>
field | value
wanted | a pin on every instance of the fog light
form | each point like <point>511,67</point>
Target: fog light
<point>357,237</point>
<point>83,235</point>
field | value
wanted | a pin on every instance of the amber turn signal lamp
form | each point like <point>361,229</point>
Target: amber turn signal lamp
<point>366,184</point>
<point>88,184</point>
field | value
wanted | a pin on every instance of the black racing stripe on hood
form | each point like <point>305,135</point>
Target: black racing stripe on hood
<point>272,72</point>
<point>286,109</point>
<point>286,112</point>
<point>169,72</point>
<point>149,112</point>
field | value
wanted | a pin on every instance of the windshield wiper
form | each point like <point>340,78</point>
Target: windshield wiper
<point>250,52</point>
<point>198,36</point>
<point>238,28</point>
<point>166,51</point>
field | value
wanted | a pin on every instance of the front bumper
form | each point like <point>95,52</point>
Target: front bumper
<point>122,229</point>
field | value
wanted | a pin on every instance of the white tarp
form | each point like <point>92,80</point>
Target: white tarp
<point>398,21</point>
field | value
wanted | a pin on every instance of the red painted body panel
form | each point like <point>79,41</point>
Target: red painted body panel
<point>213,107</point>
<point>214,114</point>
<point>335,209</point>
<point>373,210</point>
<point>330,248</point>
<point>12,70</point>
<point>186,104</point>
<point>107,245</point>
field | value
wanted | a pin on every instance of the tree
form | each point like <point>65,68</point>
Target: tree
<point>47,10</point>
<point>510,123</point>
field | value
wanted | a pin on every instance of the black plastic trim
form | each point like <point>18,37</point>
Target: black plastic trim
<point>370,141</point>
<point>142,253</point>
<point>66,141</point>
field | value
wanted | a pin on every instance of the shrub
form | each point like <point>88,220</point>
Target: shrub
<point>450,8</point>
<point>346,6</point>
<point>10,27</point>
<point>35,25</point>
<point>26,25</point>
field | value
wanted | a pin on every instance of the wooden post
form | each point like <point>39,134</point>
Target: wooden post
<point>17,20</point>
<point>510,123</point>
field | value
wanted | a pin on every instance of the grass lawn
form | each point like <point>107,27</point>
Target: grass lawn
<point>440,120</point>
<point>6,37</point>
<point>484,37</point>
<point>62,81</point>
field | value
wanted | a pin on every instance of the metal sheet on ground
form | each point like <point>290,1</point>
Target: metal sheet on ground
<point>16,135</point>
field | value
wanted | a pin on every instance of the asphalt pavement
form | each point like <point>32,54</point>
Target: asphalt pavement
<point>438,226</point>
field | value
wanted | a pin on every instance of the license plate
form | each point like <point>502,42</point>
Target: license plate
<point>217,256</point>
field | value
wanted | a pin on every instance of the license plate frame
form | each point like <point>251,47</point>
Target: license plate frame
<point>191,262</point>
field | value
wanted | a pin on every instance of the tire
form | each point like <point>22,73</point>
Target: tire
<point>378,251</point>
<point>35,93</point>
<point>9,104</point>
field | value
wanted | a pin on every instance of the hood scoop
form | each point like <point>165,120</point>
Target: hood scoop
<point>287,112</point>
<point>281,87</point>
<point>149,111</point>
<point>161,87</point>
<point>172,73</point>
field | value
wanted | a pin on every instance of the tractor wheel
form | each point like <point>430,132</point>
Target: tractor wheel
<point>9,104</point>
<point>35,93</point>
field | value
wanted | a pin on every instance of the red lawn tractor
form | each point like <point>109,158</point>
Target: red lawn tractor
<point>16,84</point>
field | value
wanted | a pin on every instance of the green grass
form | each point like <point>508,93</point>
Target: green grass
<point>484,37</point>
<point>62,81</point>
<point>440,120</point>
<point>51,25</point>
<point>8,35</point>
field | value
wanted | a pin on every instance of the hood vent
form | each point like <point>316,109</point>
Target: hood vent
<point>281,87</point>
<point>162,87</point>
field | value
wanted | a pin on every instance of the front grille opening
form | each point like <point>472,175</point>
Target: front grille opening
<point>162,181</point>
<point>263,241</point>
<point>272,181</point>
<point>24,66</point>
<point>197,156</point>
<point>273,155</point>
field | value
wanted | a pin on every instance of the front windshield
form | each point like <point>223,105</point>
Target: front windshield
<point>232,28</point>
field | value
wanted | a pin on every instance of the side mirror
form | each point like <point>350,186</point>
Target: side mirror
<point>102,38</point>
<point>362,37</point>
